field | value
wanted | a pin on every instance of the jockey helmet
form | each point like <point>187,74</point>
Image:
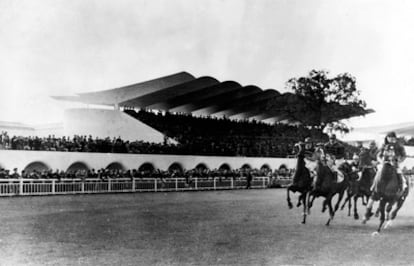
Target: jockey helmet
<point>391,134</point>
<point>308,139</point>
<point>372,144</point>
<point>333,136</point>
<point>355,157</point>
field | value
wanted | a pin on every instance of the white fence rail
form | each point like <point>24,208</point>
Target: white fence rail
<point>29,187</point>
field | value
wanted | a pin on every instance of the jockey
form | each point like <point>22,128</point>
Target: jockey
<point>394,153</point>
<point>373,152</point>
<point>336,152</point>
<point>355,163</point>
<point>368,157</point>
<point>391,152</point>
<point>308,152</point>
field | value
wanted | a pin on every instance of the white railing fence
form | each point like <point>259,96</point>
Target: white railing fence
<point>29,187</point>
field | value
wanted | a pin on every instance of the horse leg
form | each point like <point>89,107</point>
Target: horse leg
<point>299,200</point>
<point>341,195</point>
<point>311,198</point>
<point>356,216</point>
<point>290,205</point>
<point>346,200</point>
<point>388,210</point>
<point>365,200</point>
<point>382,216</point>
<point>350,205</point>
<point>400,202</point>
<point>324,205</point>
<point>368,212</point>
<point>331,210</point>
<point>304,195</point>
<point>377,212</point>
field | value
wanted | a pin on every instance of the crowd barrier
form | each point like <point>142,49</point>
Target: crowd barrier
<point>31,187</point>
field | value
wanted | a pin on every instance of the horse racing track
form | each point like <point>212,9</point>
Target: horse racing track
<point>248,227</point>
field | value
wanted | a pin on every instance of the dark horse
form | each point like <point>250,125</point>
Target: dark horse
<point>326,185</point>
<point>359,187</point>
<point>302,182</point>
<point>392,213</point>
<point>386,190</point>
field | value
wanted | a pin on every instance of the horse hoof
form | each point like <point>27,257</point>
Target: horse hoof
<point>290,205</point>
<point>364,221</point>
<point>376,214</point>
<point>376,233</point>
<point>356,216</point>
<point>303,222</point>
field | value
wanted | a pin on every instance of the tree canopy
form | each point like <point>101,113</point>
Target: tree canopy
<point>319,100</point>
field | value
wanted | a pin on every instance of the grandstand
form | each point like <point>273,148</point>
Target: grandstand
<point>161,123</point>
<point>177,93</point>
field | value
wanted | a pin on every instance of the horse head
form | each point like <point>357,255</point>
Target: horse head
<point>387,183</point>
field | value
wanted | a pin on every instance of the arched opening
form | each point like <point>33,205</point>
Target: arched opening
<point>115,166</point>
<point>283,167</point>
<point>146,167</point>
<point>225,166</point>
<point>283,170</point>
<point>201,167</point>
<point>265,167</point>
<point>77,166</point>
<point>176,167</point>
<point>246,166</point>
<point>36,166</point>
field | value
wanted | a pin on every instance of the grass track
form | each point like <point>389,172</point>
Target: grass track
<point>243,227</point>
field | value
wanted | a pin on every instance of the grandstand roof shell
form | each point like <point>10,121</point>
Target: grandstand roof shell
<point>182,92</point>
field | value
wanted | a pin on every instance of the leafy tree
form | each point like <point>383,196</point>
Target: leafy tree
<point>321,101</point>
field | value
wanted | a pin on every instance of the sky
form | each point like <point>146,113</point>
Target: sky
<point>54,47</point>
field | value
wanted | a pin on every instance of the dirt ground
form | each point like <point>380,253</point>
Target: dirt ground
<point>243,227</point>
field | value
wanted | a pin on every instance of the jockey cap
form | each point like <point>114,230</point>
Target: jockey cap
<point>391,134</point>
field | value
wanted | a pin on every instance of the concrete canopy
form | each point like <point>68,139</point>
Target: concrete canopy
<point>182,92</point>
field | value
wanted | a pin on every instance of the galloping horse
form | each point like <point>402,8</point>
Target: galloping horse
<point>400,201</point>
<point>386,190</point>
<point>302,182</point>
<point>326,185</point>
<point>359,187</point>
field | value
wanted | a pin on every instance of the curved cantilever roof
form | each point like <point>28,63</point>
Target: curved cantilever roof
<point>182,92</point>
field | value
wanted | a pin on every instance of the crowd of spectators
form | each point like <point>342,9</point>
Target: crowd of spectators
<point>194,136</point>
<point>222,136</point>
<point>105,174</point>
